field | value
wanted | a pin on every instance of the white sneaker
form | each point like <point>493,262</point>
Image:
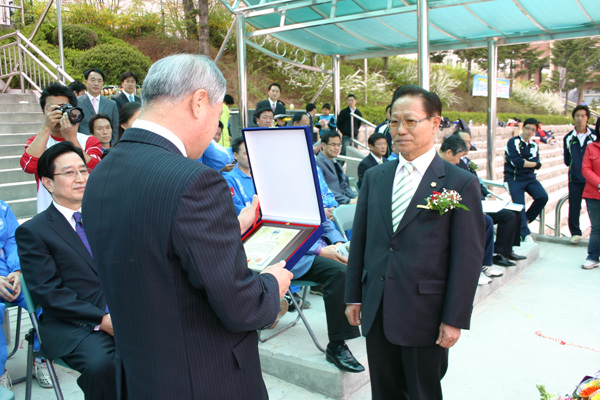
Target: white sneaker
<point>40,372</point>
<point>528,239</point>
<point>484,280</point>
<point>589,264</point>
<point>575,239</point>
<point>5,380</point>
<point>492,271</point>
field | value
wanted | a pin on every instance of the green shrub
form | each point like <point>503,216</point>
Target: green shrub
<point>113,60</point>
<point>77,37</point>
<point>373,114</point>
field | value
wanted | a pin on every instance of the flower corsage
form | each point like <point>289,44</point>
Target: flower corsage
<point>473,166</point>
<point>443,202</point>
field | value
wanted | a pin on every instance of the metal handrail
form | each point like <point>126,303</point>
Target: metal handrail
<point>20,7</point>
<point>32,66</point>
<point>559,205</point>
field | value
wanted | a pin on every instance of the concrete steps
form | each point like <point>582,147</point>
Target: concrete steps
<point>20,118</point>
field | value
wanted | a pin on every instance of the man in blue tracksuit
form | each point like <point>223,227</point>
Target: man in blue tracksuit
<point>521,159</point>
<point>239,180</point>
<point>575,143</point>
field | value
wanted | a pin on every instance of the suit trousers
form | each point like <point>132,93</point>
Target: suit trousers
<point>535,189</point>
<point>507,234</point>
<point>575,193</point>
<point>488,253</point>
<point>332,275</point>
<point>403,372</point>
<point>94,359</point>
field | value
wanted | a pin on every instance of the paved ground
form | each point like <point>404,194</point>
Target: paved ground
<point>501,357</point>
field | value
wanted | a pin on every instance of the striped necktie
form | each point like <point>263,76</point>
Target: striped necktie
<point>131,98</point>
<point>403,193</point>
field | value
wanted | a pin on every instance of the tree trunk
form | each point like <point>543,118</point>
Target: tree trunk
<point>203,27</point>
<point>385,67</point>
<point>469,77</point>
<point>189,12</point>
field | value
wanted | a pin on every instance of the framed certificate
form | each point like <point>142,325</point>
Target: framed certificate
<point>284,172</point>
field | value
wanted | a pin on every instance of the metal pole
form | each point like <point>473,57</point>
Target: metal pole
<point>366,96</point>
<point>226,40</point>
<point>241,59</point>
<point>491,117</point>
<point>423,42</point>
<point>335,66</point>
<point>60,43</point>
<point>21,67</point>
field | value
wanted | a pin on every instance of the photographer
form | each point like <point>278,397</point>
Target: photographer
<point>61,123</point>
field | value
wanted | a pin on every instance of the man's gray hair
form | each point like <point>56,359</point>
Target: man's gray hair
<point>175,77</point>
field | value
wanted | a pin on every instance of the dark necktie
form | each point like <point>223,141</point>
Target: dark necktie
<point>81,232</point>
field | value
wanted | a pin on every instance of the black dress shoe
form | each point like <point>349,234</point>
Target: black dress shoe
<point>291,307</point>
<point>341,356</point>
<point>499,259</point>
<point>515,257</point>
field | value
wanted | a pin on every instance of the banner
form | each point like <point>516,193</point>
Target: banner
<point>480,87</point>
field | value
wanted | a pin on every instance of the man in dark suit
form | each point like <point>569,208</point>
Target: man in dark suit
<point>411,275</point>
<point>127,95</point>
<point>61,275</point>
<point>273,102</point>
<point>378,146</point>
<point>335,177</point>
<point>93,103</point>
<point>345,122</point>
<point>185,305</point>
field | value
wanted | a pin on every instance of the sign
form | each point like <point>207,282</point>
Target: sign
<point>480,87</point>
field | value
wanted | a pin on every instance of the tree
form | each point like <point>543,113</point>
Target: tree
<point>203,27</point>
<point>189,13</point>
<point>580,58</point>
<point>531,62</point>
<point>469,56</point>
<point>506,59</point>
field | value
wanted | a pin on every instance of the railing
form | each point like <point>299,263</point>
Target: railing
<point>23,59</point>
<point>6,13</point>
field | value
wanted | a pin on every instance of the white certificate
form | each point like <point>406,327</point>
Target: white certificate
<point>265,244</point>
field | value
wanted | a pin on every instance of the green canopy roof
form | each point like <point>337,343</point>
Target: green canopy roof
<point>372,28</point>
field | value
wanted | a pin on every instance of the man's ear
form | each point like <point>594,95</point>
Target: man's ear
<point>199,101</point>
<point>48,184</point>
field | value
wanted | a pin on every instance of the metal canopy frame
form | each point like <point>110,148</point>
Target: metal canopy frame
<point>357,29</point>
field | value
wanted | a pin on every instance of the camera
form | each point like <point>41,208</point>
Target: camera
<point>75,114</point>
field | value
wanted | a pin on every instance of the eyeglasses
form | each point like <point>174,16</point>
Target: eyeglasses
<point>334,144</point>
<point>408,123</point>
<point>73,172</point>
<point>529,128</point>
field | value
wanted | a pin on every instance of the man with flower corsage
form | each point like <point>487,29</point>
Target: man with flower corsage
<point>411,276</point>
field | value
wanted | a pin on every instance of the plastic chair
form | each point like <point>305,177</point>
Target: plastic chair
<point>343,216</point>
<point>29,337</point>
<point>305,285</point>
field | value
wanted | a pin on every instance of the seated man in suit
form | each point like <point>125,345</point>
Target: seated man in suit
<point>93,102</point>
<point>508,221</point>
<point>273,103</point>
<point>129,84</point>
<point>301,119</point>
<point>332,171</point>
<point>378,146</point>
<point>57,128</point>
<point>61,275</point>
<point>263,117</point>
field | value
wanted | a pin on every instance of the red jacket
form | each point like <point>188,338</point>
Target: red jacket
<point>591,171</point>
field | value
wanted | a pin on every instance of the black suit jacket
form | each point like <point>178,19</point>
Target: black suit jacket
<point>426,272</point>
<point>106,106</point>
<point>121,99</point>
<point>366,163</point>
<point>279,108</point>
<point>184,305</point>
<point>62,278</point>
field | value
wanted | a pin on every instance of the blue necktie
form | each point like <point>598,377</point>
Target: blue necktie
<point>131,98</point>
<point>81,232</point>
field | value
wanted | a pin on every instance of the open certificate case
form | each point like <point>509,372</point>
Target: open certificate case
<point>285,177</point>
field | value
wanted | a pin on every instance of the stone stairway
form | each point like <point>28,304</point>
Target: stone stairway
<point>20,118</point>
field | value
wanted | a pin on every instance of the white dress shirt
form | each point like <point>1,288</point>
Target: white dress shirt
<point>160,131</point>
